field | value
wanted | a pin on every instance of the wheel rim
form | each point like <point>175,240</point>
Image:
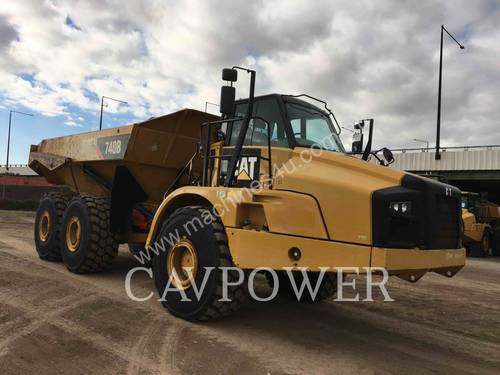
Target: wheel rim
<point>44,226</point>
<point>73,234</point>
<point>181,257</point>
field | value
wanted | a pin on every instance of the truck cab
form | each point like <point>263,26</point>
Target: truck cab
<point>294,123</point>
<point>279,124</point>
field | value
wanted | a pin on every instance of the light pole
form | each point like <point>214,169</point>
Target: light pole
<point>423,141</point>
<point>102,105</point>
<point>438,131</point>
<point>8,136</point>
<point>207,103</point>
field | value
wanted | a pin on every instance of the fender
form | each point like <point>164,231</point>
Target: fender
<point>260,210</point>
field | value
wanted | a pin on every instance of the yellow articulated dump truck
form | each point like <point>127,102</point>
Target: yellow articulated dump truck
<point>481,222</point>
<point>267,184</point>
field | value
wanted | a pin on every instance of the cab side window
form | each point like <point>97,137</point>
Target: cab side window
<point>257,134</point>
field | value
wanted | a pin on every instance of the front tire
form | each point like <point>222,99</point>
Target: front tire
<point>87,244</point>
<point>204,247</point>
<point>48,222</point>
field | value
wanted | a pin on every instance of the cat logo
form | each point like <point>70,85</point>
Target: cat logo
<point>247,169</point>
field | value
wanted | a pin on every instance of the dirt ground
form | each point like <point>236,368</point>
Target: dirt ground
<point>52,321</point>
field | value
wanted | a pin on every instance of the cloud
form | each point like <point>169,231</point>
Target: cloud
<point>72,123</point>
<point>7,33</point>
<point>367,59</point>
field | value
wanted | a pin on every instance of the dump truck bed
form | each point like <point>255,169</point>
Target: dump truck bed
<point>152,152</point>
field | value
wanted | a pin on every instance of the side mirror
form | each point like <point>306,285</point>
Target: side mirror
<point>227,100</point>
<point>357,143</point>
<point>230,75</point>
<point>388,156</point>
<point>360,125</point>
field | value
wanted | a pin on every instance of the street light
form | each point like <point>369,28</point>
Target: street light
<point>102,105</point>
<point>207,103</point>
<point>8,136</point>
<point>438,132</point>
<point>423,141</point>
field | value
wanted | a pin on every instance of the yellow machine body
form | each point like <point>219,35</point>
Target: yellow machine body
<point>473,231</point>
<point>320,205</point>
<point>317,204</point>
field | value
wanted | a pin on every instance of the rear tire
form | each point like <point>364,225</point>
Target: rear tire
<point>87,244</point>
<point>48,222</point>
<point>207,247</point>
<point>327,288</point>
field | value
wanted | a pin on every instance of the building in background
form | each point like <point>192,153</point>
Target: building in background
<point>21,187</point>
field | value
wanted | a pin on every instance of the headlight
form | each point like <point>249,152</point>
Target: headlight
<point>401,207</point>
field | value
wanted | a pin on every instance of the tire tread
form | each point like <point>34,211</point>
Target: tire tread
<point>60,202</point>
<point>102,245</point>
<point>217,309</point>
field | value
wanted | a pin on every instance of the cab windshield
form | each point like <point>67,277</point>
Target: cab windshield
<point>312,127</point>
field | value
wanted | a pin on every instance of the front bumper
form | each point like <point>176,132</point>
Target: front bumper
<point>411,265</point>
<point>253,249</point>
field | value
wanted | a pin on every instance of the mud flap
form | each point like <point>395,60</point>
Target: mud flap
<point>125,194</point>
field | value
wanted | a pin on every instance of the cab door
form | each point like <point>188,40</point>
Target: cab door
<point>254,161</point>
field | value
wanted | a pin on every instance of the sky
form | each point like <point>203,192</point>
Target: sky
<point>365,58</point>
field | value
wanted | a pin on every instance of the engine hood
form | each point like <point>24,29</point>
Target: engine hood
<point>343,186</point>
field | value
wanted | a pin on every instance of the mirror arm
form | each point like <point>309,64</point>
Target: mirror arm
<point>381,162</point>
<point>368,148</point>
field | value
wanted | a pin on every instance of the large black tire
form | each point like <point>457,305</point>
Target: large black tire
<point>495,242</point>
<point>48,221</point>
<point>96,246</point>
<point>211,249</point>
<point>481,249</point>
<point>327,288</point>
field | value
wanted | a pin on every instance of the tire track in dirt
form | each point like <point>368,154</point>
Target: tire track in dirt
<point>38,319</point>
<point>55,317</point>
<point>138,350</point>
<point>169,347</point>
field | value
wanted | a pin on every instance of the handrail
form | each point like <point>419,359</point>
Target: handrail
<point>182,172</point>
<point>206,149</point>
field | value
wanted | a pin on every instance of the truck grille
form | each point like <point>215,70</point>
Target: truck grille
<point>434,222</point>
<point>446,224</point>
